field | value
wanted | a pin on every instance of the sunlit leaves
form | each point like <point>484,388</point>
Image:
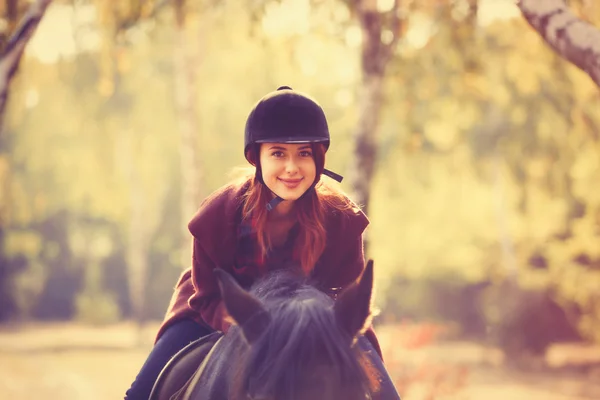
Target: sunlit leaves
<point>522,106</point>
<point>544,218</point>
<point>439,221</point>
<point>448,121</point>
<point>587,163</point>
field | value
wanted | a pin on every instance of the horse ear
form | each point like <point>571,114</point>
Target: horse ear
<point>353,306</point>
<point>245,309</point>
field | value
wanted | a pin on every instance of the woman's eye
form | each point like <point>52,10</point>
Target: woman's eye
<point>277,154</point>
<point>306,154</point>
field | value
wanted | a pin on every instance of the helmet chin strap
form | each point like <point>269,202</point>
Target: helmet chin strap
<point>276,200</point>
<point>333,175</point>
<point>274,203</point>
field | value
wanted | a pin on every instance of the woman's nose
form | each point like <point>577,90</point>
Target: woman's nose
<point>291,166</point>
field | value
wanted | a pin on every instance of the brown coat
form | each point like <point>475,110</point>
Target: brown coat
<point>214,230</point>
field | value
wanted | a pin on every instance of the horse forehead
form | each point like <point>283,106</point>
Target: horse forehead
<point>318,383</point>
<point>320,392</point>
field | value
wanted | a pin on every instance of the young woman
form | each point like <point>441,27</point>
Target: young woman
<point>282,217</point>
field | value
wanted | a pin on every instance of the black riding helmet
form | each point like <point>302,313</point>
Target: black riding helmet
<point>286,116</point>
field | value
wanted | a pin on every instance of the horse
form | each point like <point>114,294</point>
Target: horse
<point>288,341</point>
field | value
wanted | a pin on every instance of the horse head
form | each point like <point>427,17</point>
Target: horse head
<point>295,342</point>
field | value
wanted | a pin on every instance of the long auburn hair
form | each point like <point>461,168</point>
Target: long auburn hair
<point>309,209</point>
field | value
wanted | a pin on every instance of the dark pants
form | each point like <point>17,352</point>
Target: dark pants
<point>175,338</point>
<point>182,333</point>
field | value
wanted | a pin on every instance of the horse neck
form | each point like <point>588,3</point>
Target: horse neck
<point>214,384</point>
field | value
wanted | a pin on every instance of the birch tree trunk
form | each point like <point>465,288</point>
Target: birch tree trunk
<point>375,55</point>
<point>573,39</point>
<point>138,239</point>
<point>185,83</point>
<point>11,56</point>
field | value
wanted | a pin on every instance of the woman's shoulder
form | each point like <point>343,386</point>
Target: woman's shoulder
<point>220,207</point>
<point>342,214</point>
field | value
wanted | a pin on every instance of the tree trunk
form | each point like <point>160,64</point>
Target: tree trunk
<point>185,84</point>
<point>143,219</point>
<point>573,39</point>
<point>9,61</point>
<point>375,55</point>
<point>12,17</point>
<point>365,140</point>
<point>137,248</point>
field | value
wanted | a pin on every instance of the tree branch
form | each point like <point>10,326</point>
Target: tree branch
<point>572,38</point>
<point>9,60</point>
<point>131,22</point>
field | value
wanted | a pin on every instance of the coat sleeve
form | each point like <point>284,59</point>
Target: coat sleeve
<point>206,298</point>
<point>352,264</point>
<point>197,296</point>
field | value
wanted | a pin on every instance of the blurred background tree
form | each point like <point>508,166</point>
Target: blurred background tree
<point>13,40</point>
<point>473,144</point>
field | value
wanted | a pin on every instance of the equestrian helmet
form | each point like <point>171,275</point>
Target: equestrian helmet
<point>286,116</point>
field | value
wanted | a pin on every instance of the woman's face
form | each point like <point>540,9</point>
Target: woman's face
<point>287,169</point>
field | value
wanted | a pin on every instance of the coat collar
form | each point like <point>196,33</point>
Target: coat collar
<point>216,221</point>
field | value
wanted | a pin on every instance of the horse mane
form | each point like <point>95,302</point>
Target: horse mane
<point>302,330</point>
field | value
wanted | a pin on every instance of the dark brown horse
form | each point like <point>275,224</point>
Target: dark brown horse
<point>290,341</point>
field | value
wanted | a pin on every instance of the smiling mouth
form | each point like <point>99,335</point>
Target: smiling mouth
<point>291,183</point>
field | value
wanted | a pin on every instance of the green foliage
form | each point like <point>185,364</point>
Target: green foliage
<point>525,321</point>
<point>444,299</point>
<point>522,190</point>
<point>487,170</point>
<point>97,308</point>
